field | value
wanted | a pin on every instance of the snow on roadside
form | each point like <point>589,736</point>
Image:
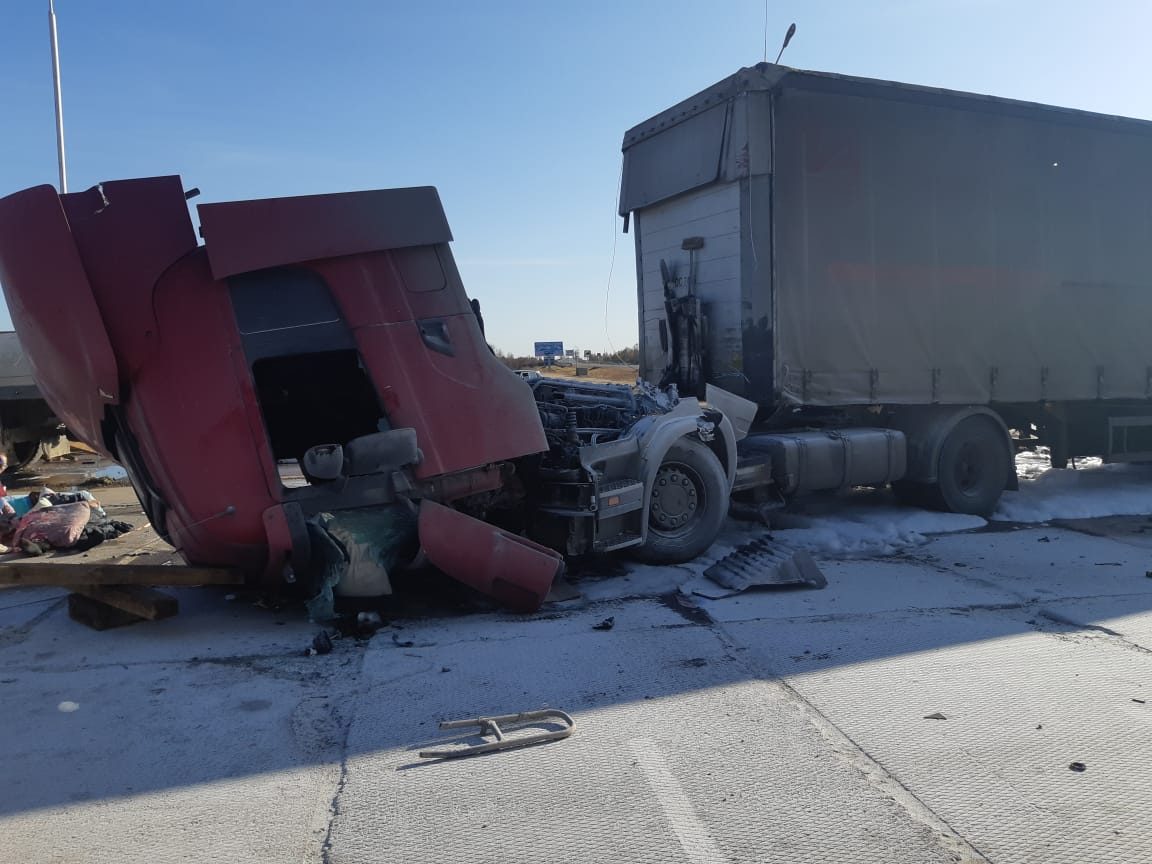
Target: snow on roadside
<point>1083,493</point>
<point>112,472</point>
<point>869,523</point>
<point>865,526</point>
<point>1030,464</point>
<point>862,524</point>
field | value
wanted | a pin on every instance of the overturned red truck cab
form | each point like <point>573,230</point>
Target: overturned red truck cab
<point>333,332</point>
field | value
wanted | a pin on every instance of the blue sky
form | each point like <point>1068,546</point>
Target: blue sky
<point>515,110</point>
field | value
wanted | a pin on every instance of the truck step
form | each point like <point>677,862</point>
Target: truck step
<point>620,541</point>
<point>617,497</point>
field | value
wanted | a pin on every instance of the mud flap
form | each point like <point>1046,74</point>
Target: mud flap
<point>515,572</point>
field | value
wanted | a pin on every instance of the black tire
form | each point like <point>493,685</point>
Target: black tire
<point>22,454</point>
<point>973,469</point>
<point>689,500</point>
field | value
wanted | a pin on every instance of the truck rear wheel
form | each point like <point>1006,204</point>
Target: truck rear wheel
<point>973,469</point>
<point>687,504</point>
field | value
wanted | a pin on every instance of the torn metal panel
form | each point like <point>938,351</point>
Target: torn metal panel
<point>762,563</point>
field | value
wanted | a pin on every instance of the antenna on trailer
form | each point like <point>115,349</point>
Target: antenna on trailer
<point>59,102</point>
<point>787,38</point>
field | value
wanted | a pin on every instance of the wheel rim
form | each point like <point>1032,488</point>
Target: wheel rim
<point>968,470</point>
<point>678,498</point>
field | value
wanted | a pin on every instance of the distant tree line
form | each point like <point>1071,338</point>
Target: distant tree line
<point>629,356</point>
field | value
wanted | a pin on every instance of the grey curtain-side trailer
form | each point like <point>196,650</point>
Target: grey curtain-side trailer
<point>898,276</point>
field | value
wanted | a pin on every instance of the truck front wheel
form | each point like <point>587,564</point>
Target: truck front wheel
<point>973,468</point>
<point>687,504</point>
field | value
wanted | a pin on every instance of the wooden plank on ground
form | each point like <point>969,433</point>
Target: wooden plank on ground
<point>135,599</point>
<point>97,615</point>
<point>68,575</point>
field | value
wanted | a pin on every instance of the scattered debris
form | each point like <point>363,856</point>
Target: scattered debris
<point>1039,725</point>
<point>50,520</point>
<point>445,669</point>
<point>322,644</point>
<point>1078,766</point>
<point>104,481</point>
<point>367,623</point>
<point>31,547</point>
<point>1139,701</point>
<point>938,715</point>
<point>68,707</point>
<point>408,643</point>
<point>607,624</point>
<point>1043,539</point>
<point>490,726</point>
<point>1109,564</point>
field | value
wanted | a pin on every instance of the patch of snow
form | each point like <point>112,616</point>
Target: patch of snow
<point>112,472</point>
<point>1083,493</point>
<point>68,707</point>
<point>1030,464</point>
<point>863,524</point>
<point>866,531</point>
<point>869,523</point>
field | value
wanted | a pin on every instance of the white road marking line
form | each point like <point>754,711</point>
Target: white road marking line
<point>694,838</point>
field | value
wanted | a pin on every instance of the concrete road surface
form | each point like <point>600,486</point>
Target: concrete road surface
<point>932,704</point>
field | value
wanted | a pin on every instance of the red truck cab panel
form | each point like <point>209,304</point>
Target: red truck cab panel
<point>154,214</point>
<point>243,236</point>
<point>303,323</point>
<point>50,298</point>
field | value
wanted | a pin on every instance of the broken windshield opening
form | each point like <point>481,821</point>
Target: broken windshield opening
<point>313,399</point>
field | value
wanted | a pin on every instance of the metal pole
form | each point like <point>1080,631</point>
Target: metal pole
<point>59,101</point>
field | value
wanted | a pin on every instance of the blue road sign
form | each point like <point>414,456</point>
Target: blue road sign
<point>549,349</point>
